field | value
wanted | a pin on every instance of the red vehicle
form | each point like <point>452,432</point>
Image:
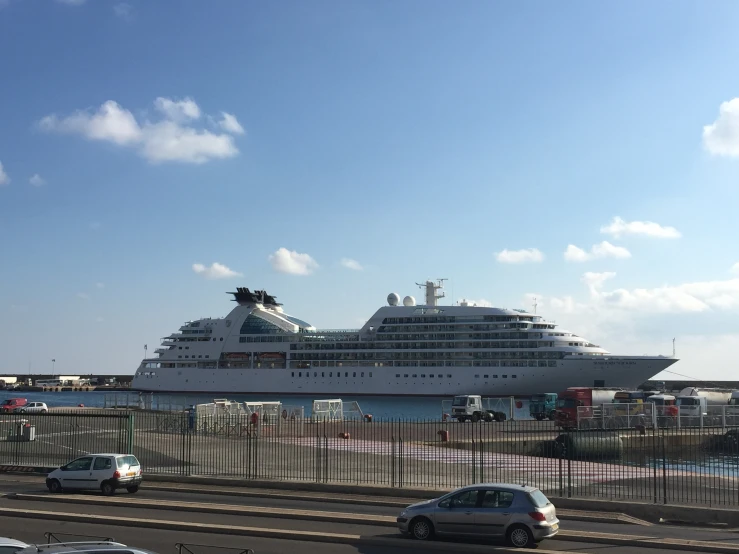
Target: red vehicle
<point>585,398</point>
<point>11,404</point>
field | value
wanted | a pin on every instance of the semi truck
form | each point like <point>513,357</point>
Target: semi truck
<point>543,406</point>
<point>588,399</point>
<point>470,407</point>
<point>694,401</point>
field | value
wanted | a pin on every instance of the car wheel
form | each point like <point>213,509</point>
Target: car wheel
<point>422,529</point>
<point>133,490</point>
<point>107,488</point>
<point>520,536</point>
<point>475,418</point>
<point>54,486</point>
<point>44,411</point>
<point>22,411</point>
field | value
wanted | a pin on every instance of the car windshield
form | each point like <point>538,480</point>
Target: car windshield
<point>127,461</point>
<point>538,398</point>
<point>460,401</point>
<point>7,402</point>
<point>538,499</point>
<point>566,403</point>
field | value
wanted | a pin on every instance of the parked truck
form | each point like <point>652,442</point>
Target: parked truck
<point>694,402</point>
<point>543,406</point>
<point>470,407</point>
<point>588,399</point>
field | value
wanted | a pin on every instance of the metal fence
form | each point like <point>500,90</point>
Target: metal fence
<point>697,465</point>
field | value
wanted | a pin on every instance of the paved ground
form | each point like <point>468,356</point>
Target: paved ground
<point>162,541</point>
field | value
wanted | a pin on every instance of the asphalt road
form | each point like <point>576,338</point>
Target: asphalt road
<point>163,541</point>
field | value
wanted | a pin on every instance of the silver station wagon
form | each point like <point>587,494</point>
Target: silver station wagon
<point>523,515</point>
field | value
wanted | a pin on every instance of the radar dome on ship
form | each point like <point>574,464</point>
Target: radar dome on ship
<point>409,301</point>
<point>393,299</point>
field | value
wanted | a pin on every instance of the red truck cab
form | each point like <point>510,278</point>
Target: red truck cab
<point>11,404</point>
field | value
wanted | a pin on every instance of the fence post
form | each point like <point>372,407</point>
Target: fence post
<point>654,462</point>
<point>392,462</point>
<point>664,471</point>
<point>131,428</point>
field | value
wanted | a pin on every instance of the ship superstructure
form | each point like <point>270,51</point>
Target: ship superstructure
<point>404,349</point>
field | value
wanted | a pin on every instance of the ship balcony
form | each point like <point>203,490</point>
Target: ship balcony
<point>168,343</point>
<point>161,350</point>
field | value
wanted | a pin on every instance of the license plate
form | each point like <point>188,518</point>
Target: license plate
<point>555,526</point>
<point>130,474</point>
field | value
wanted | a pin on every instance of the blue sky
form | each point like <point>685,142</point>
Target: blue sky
<point>419,139</point>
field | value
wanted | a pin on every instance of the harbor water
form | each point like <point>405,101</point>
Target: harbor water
<point>379,407</point>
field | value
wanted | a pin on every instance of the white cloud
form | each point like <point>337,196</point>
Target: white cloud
<point>171,139</point>
<point>351,264</point>
<point>481,302</point>
<point>290,261</point>
<point>215,271</point>
<point>596,280</point>
<point>178,110</point>
<point>100,285</point>
<point>688,297</point>
<point>722,136</point>
<point>230,124</point>
<point>123,10</point>
<point>110,123</point>
<point>36,180</point>
<point>519,256</point>
<point>619,227</point>
<point>4,179</point>
<point>602,250</point>
<point>83,295</point>
<point>735,268</point>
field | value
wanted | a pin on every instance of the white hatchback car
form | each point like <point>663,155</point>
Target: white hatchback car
<point>103,472</point>
<point>33,408</point>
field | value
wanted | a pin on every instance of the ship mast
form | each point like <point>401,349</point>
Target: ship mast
<point>431,288</point>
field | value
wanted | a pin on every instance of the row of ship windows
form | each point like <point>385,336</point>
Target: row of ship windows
<point>453,319</point>
<point>517,354</point>
<point>437,345</point>
<point>397,375</point>
<point>304,365</point>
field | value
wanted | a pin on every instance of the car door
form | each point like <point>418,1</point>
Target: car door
<point>102,469</point>
<point>76,474</point>
<point>494,513</point>
<point>456,514</point>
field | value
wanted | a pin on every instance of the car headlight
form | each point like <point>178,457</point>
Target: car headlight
<point>403,513</point>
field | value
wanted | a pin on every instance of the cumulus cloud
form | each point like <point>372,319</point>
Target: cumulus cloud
<point>351,264</point>
<point>292,262</point>
<point>100,285</point>
<point>178,110</point>
<point>596,280</point>
<point>722,136</point>
<point>215,271</point>
<point>619,227</point>
<point>602,250</point>
<point>83,295</point>
<point>109,123</point>
<point>4,179</point>
<point>519,256</point>
<point>230,124</point>
<point>735,268</point>
<point>36,180</point>
<point>171,139</point>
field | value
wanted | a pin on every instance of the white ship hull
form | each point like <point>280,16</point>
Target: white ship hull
<point>613,371</point>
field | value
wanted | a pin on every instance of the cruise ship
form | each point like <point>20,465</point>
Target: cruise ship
<point>404,349</point>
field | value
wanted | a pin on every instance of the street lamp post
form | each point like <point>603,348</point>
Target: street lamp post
<point>53,363</point>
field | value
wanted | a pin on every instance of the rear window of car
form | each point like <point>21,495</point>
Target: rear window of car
<point>127,461</point>
<point>538,499</point>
